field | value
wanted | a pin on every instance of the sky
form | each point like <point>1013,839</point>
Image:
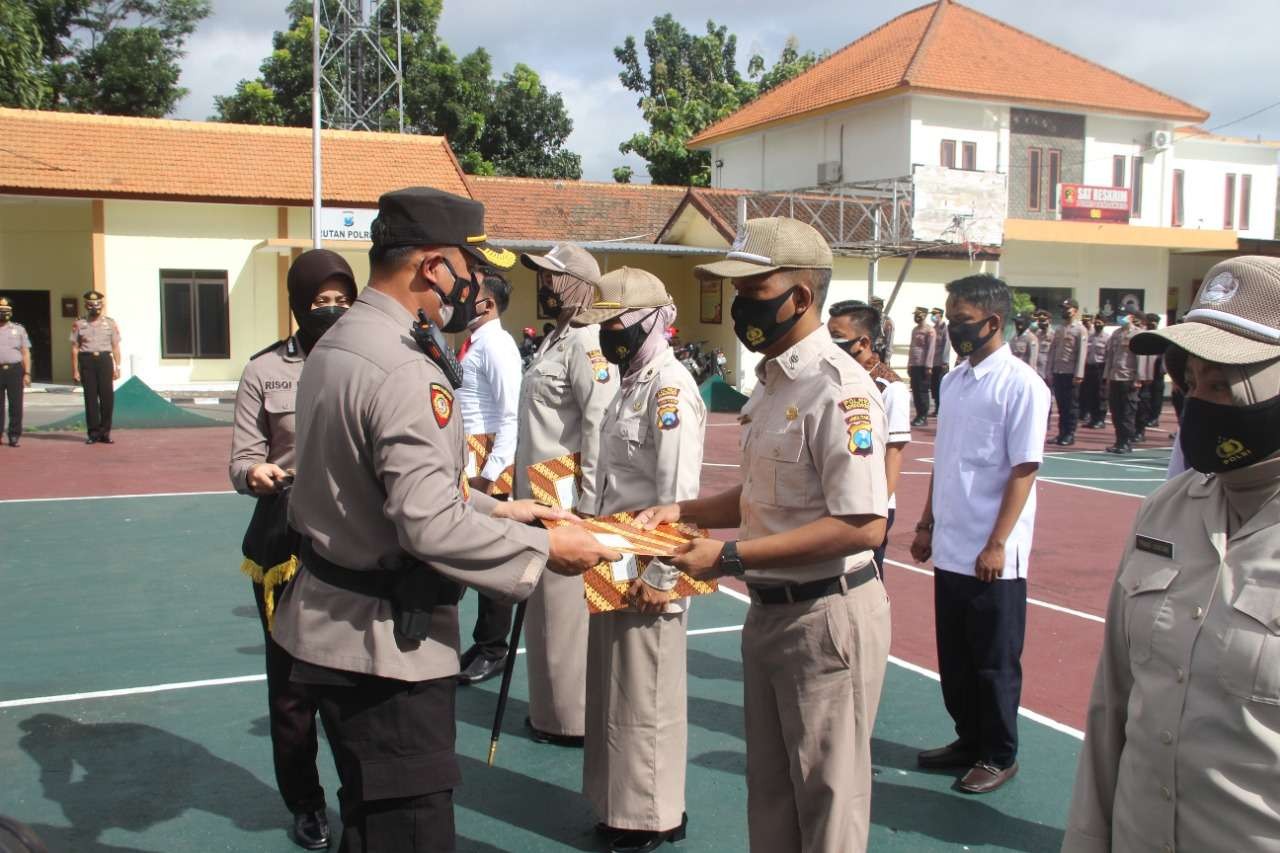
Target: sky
<point>1220,55</point>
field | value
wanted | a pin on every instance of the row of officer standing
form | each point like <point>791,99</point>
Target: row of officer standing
<point>389,532</point>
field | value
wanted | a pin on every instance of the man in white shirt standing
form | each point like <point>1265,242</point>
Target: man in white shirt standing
<point>489,400</point>
<point>977,527</point>
<point>856,328</point>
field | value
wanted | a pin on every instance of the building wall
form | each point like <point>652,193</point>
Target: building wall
<point>936,119</point>
<point>45,245</point>
<point>1087,269</point>
<point>1206,166</point>
<point>145,237</point>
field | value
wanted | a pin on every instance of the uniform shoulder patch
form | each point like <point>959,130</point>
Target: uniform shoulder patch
<point>441,404</point>
<point>267,349</point>
<point>599,365</point>
<point>857,420</point>
<point>668,400</point>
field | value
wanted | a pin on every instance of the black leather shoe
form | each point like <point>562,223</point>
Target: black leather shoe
<point>539,736</point>
<point>13,442</point>
<point>954,754</point>
<point>106,439</point>
<point>639,841</point>
<point>1139,437</point>
<point>91,440</point>
<point>918,422</point>
<point>480,669</point>
<point>311,830</point>
<point>983,778</point>
<point>465,659</point>
<point>1067,440</point>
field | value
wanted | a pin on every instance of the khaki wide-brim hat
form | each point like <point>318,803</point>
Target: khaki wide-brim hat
<point>766,245</point>
<point>566,259</point>
<point>1235,319</point>
<point>625,289</point>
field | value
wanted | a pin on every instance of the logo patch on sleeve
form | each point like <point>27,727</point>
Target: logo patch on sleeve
<point>441,404</point>
<point>668,400</point>
<point>599,364</point>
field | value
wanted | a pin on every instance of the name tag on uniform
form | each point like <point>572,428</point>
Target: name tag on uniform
<point>1159,547</point>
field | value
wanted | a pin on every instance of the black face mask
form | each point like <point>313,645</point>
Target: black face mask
<point>5,317</point>
<point>1020,327</point>
<point>95,312</point>
<point>548,301</point>
<point>755,321</point>
<point>1217,438</point>
<point>967,338</point>
<point>313,324</point>
<point>458,311</point>
<point>619,346</point>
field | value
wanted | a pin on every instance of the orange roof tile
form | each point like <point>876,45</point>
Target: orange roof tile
<point>946,48</point>
<point>49,153</point>
<point>582,211</point>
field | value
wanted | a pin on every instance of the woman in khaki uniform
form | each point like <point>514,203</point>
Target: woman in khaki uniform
<point>1182,740</point>
<point>651,453</point>
<point>563,398</point>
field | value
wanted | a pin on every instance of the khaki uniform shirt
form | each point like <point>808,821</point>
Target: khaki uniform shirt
<point>380,459</point>
<point>1068,350</point>
<point>1045,337</point>
<point>942,346</point>
<point>887,329</point>
<point>813,438</point>
<point>13,340</point>
<point>1182,740</point>
<point>1122,365</point>
<point>1097,347</point>
<point>100,335</point>
<point>264,428</point>
<point>566,390</point>
<point>1026,348</point>
<point>923,342</point>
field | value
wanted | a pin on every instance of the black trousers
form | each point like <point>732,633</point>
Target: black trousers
<point>11,390</point>
<point>292,715</point>
<point>99,394</point>
<point>935,383</point>
<point>1152,397</point>
<point>1066,394</point>
<point>980,629</point>
<point>393,744</point>
<point>493,626</point>
<point>879,552</point>
<point>1093,408</point>
<point>919,376</point>
<point>1124,409</point>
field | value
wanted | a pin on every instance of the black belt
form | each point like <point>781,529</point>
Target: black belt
<point>376,583</point>
<point>95,354</point>
<point>793,593</point>
<point>6,365</point>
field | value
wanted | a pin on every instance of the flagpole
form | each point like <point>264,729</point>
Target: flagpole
<point>315,124</point>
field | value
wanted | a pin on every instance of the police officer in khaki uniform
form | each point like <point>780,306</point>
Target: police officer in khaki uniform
<point>15,369</point>
<point>390,529</point>
<point>1024,345</point>
<point>920,363</point>
<point>1125,372</point>
<point>1044,334</point>
<point>95,363</point>
<point>650,453</point>
<point>812,510</point>
<point>941,355</point>
<point>1182,737</point>
<point>1093,396</point>
<point>566,390</point>
<point>321,288</point>
<point>1067,354</point>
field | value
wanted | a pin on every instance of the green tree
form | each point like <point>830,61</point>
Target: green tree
<point>116,56</point>
<point>22,78</point>
<point>513,126</point>
<point>623,174</point>
<point>687,82</point>
<point>1022,302</point>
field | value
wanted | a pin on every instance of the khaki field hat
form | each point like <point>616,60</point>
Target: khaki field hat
<point>568,259</point>
<point>623,290</point>
<point>765,245</point>
<point>1235,319</point>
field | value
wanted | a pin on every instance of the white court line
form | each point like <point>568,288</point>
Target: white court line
<point>1054,482</point>
<point>112,497</point>
<point>720,465</point>
<point>1068,480</point>
<point>1048,456</point>
<point>1048,605</point>
<point>1104,453</point>
<point>131,691</point>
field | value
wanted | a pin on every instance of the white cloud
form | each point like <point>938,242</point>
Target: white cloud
<point>1219,56</point>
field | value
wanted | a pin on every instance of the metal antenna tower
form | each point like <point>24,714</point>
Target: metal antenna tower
<point>362,76</point>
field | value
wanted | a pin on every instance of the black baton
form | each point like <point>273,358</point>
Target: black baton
<point>508,668</point>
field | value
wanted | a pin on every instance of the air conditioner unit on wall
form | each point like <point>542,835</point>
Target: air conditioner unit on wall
<point>1159,139</point>
<point>829,172</point>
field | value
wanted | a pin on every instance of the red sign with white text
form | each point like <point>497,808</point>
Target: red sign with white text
<point>1095,204</point>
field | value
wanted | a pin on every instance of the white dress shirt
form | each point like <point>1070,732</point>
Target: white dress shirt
<point>490,393</point>
<point>897,416</point>
<point>991,418</point>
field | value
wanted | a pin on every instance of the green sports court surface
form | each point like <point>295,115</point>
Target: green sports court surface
<point>133,712</point>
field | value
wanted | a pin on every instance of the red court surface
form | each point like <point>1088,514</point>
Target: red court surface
<point>1080,532</point>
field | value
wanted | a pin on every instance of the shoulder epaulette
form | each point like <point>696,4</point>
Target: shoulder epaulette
<point>268,349</point>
